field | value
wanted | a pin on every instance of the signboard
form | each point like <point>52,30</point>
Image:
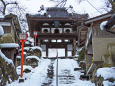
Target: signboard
<point>35,33</point>
<point>22,37</point>
<point>56,23</point>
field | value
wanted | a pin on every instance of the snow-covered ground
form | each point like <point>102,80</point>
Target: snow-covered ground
<point>36,77</point>
<point>66,68</point>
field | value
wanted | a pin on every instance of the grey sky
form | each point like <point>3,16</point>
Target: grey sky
<point>84,7</point>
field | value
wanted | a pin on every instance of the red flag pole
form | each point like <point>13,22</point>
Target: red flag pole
<point>22,59</point>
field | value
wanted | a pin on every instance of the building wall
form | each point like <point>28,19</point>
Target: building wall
<point>100,47</point>
<point>101,40</point>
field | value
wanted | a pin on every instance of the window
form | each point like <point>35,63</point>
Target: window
<point>7,29</point>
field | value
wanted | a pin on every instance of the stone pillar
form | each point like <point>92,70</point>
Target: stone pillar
<point>74,47</point>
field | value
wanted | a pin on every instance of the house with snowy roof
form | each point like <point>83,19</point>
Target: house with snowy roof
<point>9,40</point>
<point>100,43</point>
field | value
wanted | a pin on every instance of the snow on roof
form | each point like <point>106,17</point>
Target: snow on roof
<point>103,24</point>
<point>106,73</point>
<point>45,24</point>
<point>1,30</point>
<point>5,23</point>
<point>32,57</point>
<point>9,61</point>
<point>9,45</point>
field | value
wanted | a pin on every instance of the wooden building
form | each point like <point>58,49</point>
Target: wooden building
<point>57,28</point>
<point>99,44</point>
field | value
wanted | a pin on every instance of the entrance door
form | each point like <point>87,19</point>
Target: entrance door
<point>52,52</point>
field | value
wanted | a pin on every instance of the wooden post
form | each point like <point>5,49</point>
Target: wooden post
<point>46,51</point>
<point>22,59</point>
<point>66,54</point>
<point>74,47</point>
<point>35,41</point>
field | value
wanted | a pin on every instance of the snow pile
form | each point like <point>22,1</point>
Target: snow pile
<point>9,61</point>
<point>32,48</point>
<point>37,47</point>
<point>1,30</point>
<point>27,42</point>
<point>32,57</point>
<point>26,48</point>
<point>106,72</point>
<point>24,67</point>
<point>103,24</point>
<point>30,41</point>
<point>9,45</point>
<point>24,53</point>
<point>36,77</point>
<point>107,83</point>
<point>5,23</point>
<point>19,57</point>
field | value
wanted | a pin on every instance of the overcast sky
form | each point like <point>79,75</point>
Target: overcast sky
<point>84,7</point>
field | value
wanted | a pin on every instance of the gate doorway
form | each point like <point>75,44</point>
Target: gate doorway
<point>52,52</point>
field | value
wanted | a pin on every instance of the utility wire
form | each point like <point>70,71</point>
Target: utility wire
<point>94,7</point>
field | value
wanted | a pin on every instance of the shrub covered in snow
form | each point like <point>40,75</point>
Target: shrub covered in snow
<point>33,51</point>
<point>26,69</point>
<point>32,60</point>
<point>107,74</point>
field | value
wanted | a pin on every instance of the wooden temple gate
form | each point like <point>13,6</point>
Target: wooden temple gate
<point>56,29</point>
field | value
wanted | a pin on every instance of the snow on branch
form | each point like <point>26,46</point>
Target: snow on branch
<point>32,57</point>
<point>9,61</point>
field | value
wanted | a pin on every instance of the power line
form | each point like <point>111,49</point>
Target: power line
<point>94,7</point>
